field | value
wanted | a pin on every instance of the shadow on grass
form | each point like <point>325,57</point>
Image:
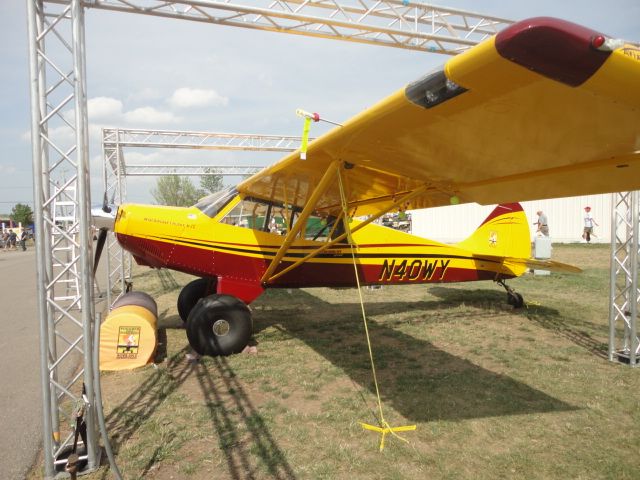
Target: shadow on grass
<point>546,317</point>
<point>126,418</point>
<point>549,319</point>
<point>234,447</point>
<point>421,381</point>
<point>214,376</point>
<point>166,278</point>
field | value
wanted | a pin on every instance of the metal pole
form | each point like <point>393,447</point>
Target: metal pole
<point>615,198</point>
<point>633,291</point>
<point>121,196</point>
<point>40,178</point>
<point>84,201</point>
<point>105,189</point>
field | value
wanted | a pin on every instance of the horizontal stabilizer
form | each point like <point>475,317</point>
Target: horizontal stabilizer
<point>550,265</point>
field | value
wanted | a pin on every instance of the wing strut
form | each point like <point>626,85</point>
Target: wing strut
<point>325,183</point>
<point>401,201</point>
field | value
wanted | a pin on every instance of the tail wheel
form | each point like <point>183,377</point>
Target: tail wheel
<point>192,292</point>
<point>219,325</point>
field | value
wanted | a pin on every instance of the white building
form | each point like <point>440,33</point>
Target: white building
<point>565,216</point>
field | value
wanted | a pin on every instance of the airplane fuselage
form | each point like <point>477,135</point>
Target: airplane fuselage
<point>188,240</point>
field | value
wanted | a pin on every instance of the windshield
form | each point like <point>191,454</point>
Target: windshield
<point>213,203</point>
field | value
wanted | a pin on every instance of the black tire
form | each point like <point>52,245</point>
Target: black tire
<point>139,299</point>
<point>515,299</point>
<point>192,292</point>
<point>219,325</point>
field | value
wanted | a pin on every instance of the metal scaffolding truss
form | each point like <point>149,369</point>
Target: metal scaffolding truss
<point>117,262</point>
<point>117,169</point>
<point>397,23</point>
<point>113,137</point>
<point>624,344</point>
<point>59,134</point>
<point>133,170</point>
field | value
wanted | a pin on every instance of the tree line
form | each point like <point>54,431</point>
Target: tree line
<point>177,191</point>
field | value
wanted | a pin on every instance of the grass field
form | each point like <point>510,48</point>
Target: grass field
<point>494,392</point>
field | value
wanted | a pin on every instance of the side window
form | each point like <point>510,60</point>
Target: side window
<point>274,218</point>
<point>317,228</point>
<point>279,220</point>
<point>323,228</point>
<point>249,214</point>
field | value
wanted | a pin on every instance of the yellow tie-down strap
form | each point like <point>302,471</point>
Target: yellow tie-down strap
<point>388,430</point>
<point>385,429</point>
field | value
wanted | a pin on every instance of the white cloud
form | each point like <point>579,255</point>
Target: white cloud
<point>104,107</point>
<point>194,97</point>
<point>106,110</point>
<point>149,115</point>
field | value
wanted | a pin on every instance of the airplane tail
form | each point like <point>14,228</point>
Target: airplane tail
<point>504,233</point>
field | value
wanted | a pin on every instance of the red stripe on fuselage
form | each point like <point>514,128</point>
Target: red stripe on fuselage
<point>204,262</point>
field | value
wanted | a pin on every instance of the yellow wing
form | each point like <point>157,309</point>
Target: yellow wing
<point>535,112</point>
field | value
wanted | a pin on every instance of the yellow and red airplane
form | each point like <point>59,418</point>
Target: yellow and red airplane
<point>544,109</point>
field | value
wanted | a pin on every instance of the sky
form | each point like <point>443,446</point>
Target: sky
<point>153,73</point>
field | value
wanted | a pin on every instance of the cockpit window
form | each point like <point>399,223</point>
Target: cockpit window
<point>213,203</point>
<point>274,217</point>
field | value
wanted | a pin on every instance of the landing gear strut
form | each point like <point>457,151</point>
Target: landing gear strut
<point>513,298</point>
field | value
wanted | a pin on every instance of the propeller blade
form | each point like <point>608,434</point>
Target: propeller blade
<point>102,238</point>
<point>105,204</point>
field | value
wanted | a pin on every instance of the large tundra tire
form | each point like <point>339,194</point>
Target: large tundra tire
<point>219,325</point>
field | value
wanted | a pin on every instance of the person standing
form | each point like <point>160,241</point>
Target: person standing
<point>23,240</point>
<point>543,224</point>
<point>589,223</point>
<point>13,237</point>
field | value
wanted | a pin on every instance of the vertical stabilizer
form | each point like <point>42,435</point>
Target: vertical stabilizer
<point>504,233</point>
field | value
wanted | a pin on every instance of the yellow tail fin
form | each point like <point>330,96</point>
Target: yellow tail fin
<point>504,233</point>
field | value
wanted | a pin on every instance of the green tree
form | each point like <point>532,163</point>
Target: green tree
<point>211,182</point>
<point>175,191</point>
<point>22,213</point>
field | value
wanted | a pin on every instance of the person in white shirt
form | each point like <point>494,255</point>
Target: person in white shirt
<point>543,224</point>
<point>589,223</point>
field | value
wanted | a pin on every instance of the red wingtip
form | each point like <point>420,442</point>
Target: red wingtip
<point>552,47</point>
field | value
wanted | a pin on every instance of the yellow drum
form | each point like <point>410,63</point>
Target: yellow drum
<point>128,337</point>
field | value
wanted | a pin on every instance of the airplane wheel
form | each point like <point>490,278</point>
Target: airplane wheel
<point>515,299</point>
<point>219,325</point>
<point>192,292</point>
